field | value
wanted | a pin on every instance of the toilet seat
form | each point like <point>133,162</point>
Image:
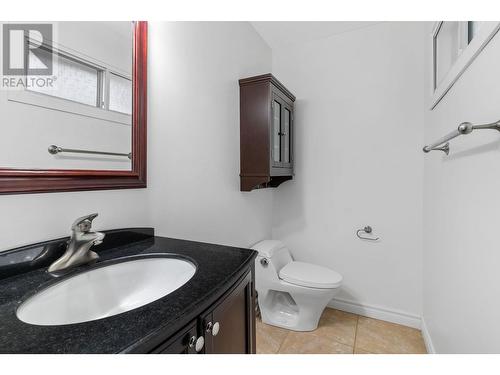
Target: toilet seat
<point>310,275</point>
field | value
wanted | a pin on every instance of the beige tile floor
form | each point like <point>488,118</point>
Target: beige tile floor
<point>341,333</point>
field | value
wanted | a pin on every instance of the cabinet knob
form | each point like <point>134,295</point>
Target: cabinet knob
<point>196,343</point>
<point>215,329</point>
<point>209,327</point>
<point>192,341</point>
<point>212,328</point>
<point>200,342</point>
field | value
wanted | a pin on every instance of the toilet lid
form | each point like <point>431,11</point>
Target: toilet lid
<point>310,275</point>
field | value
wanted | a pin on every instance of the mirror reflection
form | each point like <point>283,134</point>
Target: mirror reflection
<point>80,115</point>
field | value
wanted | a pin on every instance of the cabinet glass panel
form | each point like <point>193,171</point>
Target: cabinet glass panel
<point>276,131</point>
<point>286,136</point>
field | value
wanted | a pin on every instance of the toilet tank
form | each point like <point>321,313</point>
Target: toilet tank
<point>275,252</point>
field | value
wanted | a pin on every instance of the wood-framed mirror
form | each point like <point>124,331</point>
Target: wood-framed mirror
<point>74,105</point>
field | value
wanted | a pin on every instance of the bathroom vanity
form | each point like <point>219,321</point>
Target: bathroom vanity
<point>213,312</point>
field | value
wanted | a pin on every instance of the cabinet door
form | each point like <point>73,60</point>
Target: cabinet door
<point>230,327</point>
<point>185,341</point>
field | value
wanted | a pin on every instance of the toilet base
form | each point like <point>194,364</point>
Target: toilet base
<point>298,310</point>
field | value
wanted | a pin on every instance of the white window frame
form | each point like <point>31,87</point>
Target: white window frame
<point>50,102</point>
<point>467,54</point>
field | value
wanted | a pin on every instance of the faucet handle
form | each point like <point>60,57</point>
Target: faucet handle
<point>84,223</point>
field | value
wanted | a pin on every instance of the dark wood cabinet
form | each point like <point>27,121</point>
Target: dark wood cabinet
<point>266,132</point>
<point>183,342</point>
<point>227,327</point>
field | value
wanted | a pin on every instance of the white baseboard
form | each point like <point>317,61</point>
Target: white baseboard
<point>427,338</point>
<point>393,316</point>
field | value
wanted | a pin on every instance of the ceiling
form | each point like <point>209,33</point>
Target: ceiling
<point>279,34</point>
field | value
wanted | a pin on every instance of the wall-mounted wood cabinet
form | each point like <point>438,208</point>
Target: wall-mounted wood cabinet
<point>266,132</point>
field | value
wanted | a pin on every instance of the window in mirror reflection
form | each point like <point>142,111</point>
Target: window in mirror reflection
<point>82,82</point>
<point>120,94</point>
<point>76,80</point>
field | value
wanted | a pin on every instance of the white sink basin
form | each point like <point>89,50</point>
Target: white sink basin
<point>106,291</point>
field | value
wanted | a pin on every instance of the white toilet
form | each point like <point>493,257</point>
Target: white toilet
<point>291,294</point>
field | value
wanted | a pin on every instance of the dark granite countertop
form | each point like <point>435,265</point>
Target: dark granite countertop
<point>218,268</point>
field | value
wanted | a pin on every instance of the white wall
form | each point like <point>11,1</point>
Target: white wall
<point>194,115</point>
<point>29,218</point>
<point>358,158</point>
<point>461,246</point>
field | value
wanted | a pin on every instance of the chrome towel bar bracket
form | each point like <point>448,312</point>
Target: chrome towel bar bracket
<point>368,229</point>
<point>445,148</point>
<point>464,128</point>
<point>53,149</point>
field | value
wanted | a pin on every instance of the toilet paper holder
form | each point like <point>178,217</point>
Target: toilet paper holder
<point>368,229</point>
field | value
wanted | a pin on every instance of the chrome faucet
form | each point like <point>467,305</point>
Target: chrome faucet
<point>78,251</point>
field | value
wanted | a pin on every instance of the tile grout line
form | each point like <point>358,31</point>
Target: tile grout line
<point>341,341</point>
<point>281,344</point>
<point>355,334</point>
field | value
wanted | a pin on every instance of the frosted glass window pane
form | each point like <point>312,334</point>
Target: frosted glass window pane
<point>120,94</point>
<point>447,48</point>
<point>74,81</point>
